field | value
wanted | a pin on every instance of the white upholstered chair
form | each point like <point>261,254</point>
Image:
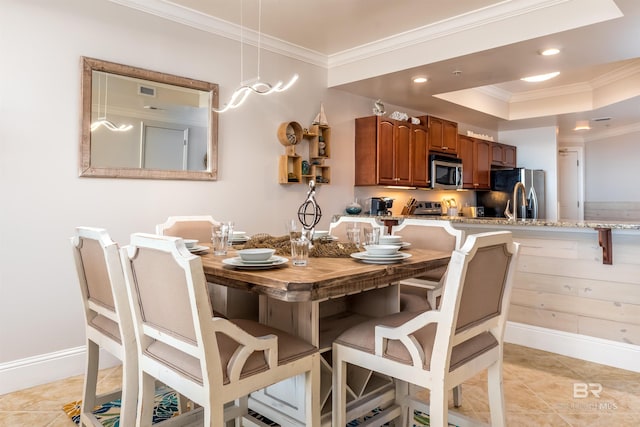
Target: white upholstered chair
<point>109,324</point>
<point>188,227</point>
<point>212,361</point>
<point>339,227</point>
<point>422,292</point>
<point>227,302</point>
<point>440,348</point>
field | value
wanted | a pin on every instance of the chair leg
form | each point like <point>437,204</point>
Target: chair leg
<point>496,395</point>
<point>457,396</point>
<point>214,415</point>
<point>338,393</point>
<point>146,397</point>
<point>129,389</point>
<point>438,406</point>
<point>90,382</point>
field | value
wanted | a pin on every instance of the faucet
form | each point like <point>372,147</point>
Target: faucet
<point>523,201</point>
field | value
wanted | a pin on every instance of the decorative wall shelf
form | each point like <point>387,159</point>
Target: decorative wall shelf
<point>290,166</point>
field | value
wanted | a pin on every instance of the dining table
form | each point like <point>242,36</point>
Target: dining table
<point>318,302</point>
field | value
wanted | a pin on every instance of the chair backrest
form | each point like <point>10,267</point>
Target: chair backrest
<point>173,319</point>
<point>188,227</point>
<point>478,287</point>
<point>102,285</point>
<point>430,234</point>
<point>339,228</point>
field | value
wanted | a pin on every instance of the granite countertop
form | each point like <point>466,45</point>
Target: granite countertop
<point>594,224</point>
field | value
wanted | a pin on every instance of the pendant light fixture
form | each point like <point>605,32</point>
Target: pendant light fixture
<point>102,120</point>
<point>253,85</point>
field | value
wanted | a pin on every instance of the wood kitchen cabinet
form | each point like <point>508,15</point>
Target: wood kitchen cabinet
<point>382,151</point>
<point>476,162</point>
<point>443,135</point>
<point>420,156</point>
<point>503,155</point>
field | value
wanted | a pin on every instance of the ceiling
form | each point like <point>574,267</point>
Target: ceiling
<point>473,51</point>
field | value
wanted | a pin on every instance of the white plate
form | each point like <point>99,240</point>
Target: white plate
<point>197,249</point>
<point>362,256</point>
<point>239,239</point>
<point>269,261</point>
<point>397,255</point>
<point>237,262</point>
<point>366,255</point>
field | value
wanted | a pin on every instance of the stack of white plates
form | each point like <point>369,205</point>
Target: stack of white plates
<point>393,240</point>
<point>380,259</point>
<point>381,254</point>
<point>239,237</point>
<point>272,262</point>
<point>198,250</point>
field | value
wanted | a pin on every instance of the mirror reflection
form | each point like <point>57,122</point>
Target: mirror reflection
<point>144,124</point>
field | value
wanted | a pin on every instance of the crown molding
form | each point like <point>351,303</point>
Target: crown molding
<point>474,19</point>
<point>494,92</point>
<point>477,18</point>
<point>624,72</point>
<point>571,89</point>
<point>210,24</point>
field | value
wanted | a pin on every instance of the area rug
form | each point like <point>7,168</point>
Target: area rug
<point>166,406</point>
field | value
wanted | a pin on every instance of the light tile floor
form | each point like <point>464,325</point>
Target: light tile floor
<point>539,391</point>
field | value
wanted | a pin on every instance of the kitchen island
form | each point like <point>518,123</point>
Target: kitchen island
<point>565,298</point>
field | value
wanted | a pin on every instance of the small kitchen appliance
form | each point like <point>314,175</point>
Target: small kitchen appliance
<point>446,172</point>
<point>381,206</point>
<point>428,208</point>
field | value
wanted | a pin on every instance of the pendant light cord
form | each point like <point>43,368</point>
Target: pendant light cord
<point>259,34</point>
<point>255,85</point>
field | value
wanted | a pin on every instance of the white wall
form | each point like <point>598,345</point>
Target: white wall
<point>537,149</point>
<point>609,166</point>
<point>44,199</point>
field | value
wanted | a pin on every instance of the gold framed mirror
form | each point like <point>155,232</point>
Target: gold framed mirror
<point>138,123</point>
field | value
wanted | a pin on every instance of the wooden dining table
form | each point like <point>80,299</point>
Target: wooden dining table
<point>317,303</point>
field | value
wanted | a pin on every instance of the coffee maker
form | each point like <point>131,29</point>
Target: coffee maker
<point>381,206</point>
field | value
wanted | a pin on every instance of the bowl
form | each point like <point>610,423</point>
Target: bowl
<point>238,235</point>
<point>390,240</point>
<point>190,243</point>
<point>318,234</point>
<point>257,254</point>
<point>353,210</point>
<point>380,250</point>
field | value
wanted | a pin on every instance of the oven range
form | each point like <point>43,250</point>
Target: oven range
<point>428,208</point>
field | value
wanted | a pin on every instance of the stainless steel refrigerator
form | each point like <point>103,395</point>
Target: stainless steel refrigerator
<point>502,184</point>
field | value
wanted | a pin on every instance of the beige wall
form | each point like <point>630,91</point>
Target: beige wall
<point>43,198</point>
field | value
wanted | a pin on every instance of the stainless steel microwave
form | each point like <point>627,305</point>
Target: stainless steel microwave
<point>446,172</point>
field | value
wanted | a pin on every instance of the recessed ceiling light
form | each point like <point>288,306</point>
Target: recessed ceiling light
<point>541,77</point>
<point>419,79</point>
<point>550,51</point>
<point>582,125</point>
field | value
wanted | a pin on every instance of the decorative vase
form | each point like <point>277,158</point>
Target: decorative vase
<point>306,168</point>
<point>354,208</point>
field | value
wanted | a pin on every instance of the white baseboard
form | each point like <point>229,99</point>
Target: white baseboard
<point>46,368</point>
<point>605,352</point>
